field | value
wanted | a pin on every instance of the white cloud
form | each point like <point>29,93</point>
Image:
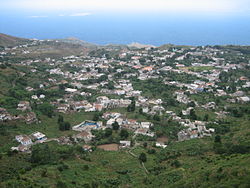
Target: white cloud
<point>38,16</point>
<point>63,15</point>
<point>81,14</point>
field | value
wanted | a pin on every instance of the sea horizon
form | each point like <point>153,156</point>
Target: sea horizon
<point>154,30</point>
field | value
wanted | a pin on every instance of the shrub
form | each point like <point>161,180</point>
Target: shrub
<point>143,157</point>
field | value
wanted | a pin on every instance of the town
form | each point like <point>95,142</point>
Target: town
<point>119,98</point>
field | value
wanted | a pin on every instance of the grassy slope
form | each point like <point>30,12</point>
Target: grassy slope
<point>200,167</point>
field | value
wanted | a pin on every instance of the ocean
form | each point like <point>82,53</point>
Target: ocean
<point>155,29</point>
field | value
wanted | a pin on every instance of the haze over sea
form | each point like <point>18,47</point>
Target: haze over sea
<point>124,27</point>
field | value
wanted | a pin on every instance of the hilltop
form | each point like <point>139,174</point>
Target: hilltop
<point>138,45</point>
<point>73,40</point>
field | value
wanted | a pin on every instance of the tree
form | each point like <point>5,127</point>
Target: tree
<point>46,109</point>
<point>156,117</point>
<point>108,132</point>
<point>131,107</point>
<point>124,134</point>
<point>60,119</point>
<point>171,102</point>
<point>191,104</point>
<point>18,93</point>
<point>96,116</point>
<point>206,117</point>
<point>9,102</point>
<point>61,184</point>
<point>111,85</point>
<point>41,154</point>
<point>102,78</point>
<point>115,125</point>
<point>61,126</point>
<point>193,115</point>
<point>151,151</point>
<point>64,126</point>
<point>217,139</point>
<point>67,126</point>
<point>143,157</point>
<point>61,87</point>
<point>140,111</point>
<point>176,163</point>
<point>218,147</point>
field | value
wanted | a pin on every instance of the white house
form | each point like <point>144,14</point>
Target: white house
<point>39,136</point>
<point>146,125</point>
<point>70,90</point>
<point>24,140</point>
<point>125,144</point>
<point>159,144</point>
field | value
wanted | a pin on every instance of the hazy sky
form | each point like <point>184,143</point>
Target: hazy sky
<point>87,7</point>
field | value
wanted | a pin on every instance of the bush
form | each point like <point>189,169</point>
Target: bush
<point>239,148</point>
<point>108,132</point>
<point>86,167</point>
<point>115,126</point>
<point>41,154</point>
<point>62,167</point>
<point>156,117</point>
<point>151,151</point>
<point>217,139</point>
<point>46,109</point>
<point>124,134</point>
<point>64,126</point>
<point>61,184</point>
<point>176,163</point>
<point>143,157</point>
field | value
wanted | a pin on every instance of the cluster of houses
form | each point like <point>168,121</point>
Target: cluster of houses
<point>4,115</point>
<point>24,106</point>
<point>26,141</point>
<point>141,64</point>
<point>29,117</point>
<point>191,129</point>
<point>139,128</point>
<point>181,97</point>
<point>101,103</point>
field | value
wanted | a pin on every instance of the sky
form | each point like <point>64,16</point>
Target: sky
<point>128,6</point>
<point>178,20</point>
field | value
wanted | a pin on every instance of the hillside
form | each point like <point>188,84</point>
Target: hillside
<point>168,46</point>
<point>10,41</point>
<point>73,40</point>
<point>44,48</point>
<point>115,116</point>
